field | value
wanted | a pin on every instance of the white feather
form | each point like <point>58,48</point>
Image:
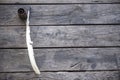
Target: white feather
<point>30,47</point>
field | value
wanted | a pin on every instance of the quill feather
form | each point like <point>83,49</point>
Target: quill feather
<point>30,47</point>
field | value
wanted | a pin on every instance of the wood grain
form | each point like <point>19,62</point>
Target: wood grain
<point>60,59</point>
<point>59,1</point>
<point>62,76</point>
<point>63,14</point>
<point>61,36</point>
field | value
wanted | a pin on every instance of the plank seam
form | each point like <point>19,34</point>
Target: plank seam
<point>61,47</point>
<point>57,3</point>
<point>63,24</point>
<point>63,71</point>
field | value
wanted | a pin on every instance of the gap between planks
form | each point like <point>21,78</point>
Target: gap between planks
<point>55,3</point>
<point>62,47</point>
<point>63,71</point>
<point>109,24</point>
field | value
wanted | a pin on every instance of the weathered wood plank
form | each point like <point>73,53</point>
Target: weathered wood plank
<point>63,14</point>
<point>59,1</point>
<point>61,36</point>
<point>62,76</point>
<point>118,60</point>
<point>60,59</point>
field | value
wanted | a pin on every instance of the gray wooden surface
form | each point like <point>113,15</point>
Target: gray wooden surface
<point>73,40</point>
<point>59,1</point>
<point>61,59</point>
<point>61,36</point>
<point>63,14</point>
<point>62,76</point>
